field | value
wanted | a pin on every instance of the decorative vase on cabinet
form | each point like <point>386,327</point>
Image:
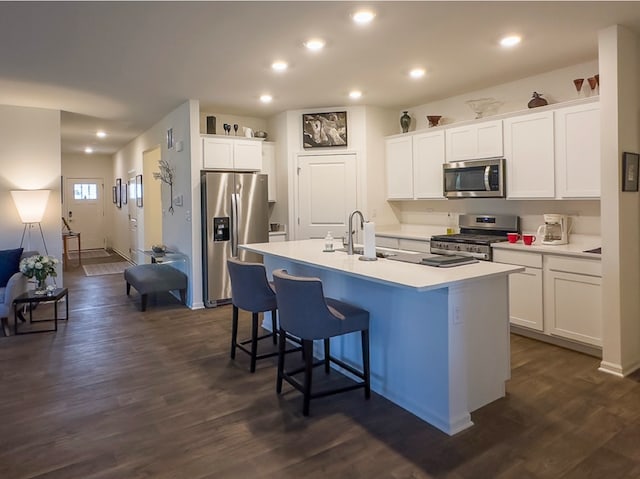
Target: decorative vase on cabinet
<point>537,101</point>
<point>405,121</point>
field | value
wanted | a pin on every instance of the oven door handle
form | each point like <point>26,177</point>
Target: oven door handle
<point>487,173</point>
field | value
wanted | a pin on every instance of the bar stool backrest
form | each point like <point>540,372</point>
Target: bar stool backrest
<point>303,309</point>
<point>250,289</point>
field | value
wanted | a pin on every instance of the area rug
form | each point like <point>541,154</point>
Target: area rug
<point>105,268</point>
<point>89,253</point>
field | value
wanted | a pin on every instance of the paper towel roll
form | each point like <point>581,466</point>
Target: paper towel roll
<point>369,240</point>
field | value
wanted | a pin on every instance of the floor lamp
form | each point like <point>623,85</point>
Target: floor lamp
<point>31,205</point>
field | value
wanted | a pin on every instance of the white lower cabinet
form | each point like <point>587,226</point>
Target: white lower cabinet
<point>277,237</point>
<point>420,246</point>
<point>556,295</point>
<point>525,289</point>
<point>386,242</point>
<point>574,307</point>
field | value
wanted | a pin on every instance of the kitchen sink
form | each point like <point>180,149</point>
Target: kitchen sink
<point>360,251</point>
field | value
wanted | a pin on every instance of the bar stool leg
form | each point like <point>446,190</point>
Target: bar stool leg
<point>281,348</point>
<point>327,356</point>
<point>234,332</point>
<point>307,345</point>
<point>273,326</point>
<point>365,363</point>
<point>254,341</point>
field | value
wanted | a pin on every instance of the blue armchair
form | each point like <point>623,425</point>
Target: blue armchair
<point>15,287</point>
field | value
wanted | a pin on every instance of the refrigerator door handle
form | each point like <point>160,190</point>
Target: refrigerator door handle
<point>234,224</point>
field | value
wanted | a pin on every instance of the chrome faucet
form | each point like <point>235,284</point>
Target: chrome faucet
<point>351,231</point>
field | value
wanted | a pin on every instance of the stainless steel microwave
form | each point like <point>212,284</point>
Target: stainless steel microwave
<point>474,179</point>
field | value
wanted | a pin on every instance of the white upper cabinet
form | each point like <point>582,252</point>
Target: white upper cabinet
<point>529,154</point>
<point>428,157</point>
<point>230,153</point>
<point>577,148</point>
<point>399,165</point>
<point>470,142</point>
<point>269,168</point>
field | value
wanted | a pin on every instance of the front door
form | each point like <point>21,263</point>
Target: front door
<point>84,202</point>
<point>327,192</point>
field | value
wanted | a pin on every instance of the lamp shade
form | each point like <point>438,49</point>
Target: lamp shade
<point>31,204</point>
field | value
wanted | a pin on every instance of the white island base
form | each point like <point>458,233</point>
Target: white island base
<point>439,340</point>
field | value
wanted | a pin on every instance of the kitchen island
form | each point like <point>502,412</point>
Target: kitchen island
<point>439,337</point>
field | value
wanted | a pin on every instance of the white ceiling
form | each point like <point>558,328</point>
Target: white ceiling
<point>123,66</point>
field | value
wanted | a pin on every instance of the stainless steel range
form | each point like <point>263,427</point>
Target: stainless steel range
<point>477,233</point>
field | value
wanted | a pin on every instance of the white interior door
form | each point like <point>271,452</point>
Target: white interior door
<point>327,193</point>
<point>84,211</point>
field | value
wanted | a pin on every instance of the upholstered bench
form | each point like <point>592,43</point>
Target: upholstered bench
<point>155,278</point>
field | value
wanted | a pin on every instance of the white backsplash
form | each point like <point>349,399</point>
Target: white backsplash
<point>585,215</point>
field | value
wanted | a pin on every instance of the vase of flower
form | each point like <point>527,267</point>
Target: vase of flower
<point>39,267</point>
<point>405,121</point>
<point>41,286</point>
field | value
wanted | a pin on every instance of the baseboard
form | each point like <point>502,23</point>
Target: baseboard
<point>594,351</point>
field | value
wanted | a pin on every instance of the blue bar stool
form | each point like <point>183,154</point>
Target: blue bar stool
<point>307,314</point>
<point>251,291</point>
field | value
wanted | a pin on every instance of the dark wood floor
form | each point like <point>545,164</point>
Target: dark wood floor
<point>117,393</point>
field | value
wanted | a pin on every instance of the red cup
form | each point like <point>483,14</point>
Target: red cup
<point>528,239</point>
<point>513,237</point>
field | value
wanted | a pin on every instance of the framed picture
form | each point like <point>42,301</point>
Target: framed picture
<point>124,193</point>
<point>119,192</point>
<point>114,195</point>
<point>322,130</point>
<point>630,165</point>
<point>139,190</point>
<point>170,138</point>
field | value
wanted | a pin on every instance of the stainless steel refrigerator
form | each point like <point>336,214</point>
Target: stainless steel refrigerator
<point>234,211</point>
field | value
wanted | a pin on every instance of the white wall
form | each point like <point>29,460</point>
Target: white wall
<point>584,215</point>
<point>620,105</point>
<point>377,121</point>
<point>278,133</point>
<point>222,118</point>
<point>92,166</point>
<point>290,130</point>
<point>30,159</point>
<point>556,87</point>
<point>177,228</point>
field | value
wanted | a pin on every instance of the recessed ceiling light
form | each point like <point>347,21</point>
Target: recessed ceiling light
<point>88,149</point>
<point>355,94</point>
<point>314,44</point>
<point>279,66</point>
<point>101,134</point>
<point>266,98</point>
<point>417,73</point>
<point>510,41</point>
<point>363,17</point>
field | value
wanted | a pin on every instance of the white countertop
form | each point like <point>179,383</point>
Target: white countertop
<point>408,231</point>
<point>576,246</point>
<point>386,271</point>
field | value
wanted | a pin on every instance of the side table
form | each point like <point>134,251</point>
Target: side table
<point>31,298</point>
<point>65,238</point>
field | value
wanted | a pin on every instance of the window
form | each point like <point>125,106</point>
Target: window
<point>85,191</point>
